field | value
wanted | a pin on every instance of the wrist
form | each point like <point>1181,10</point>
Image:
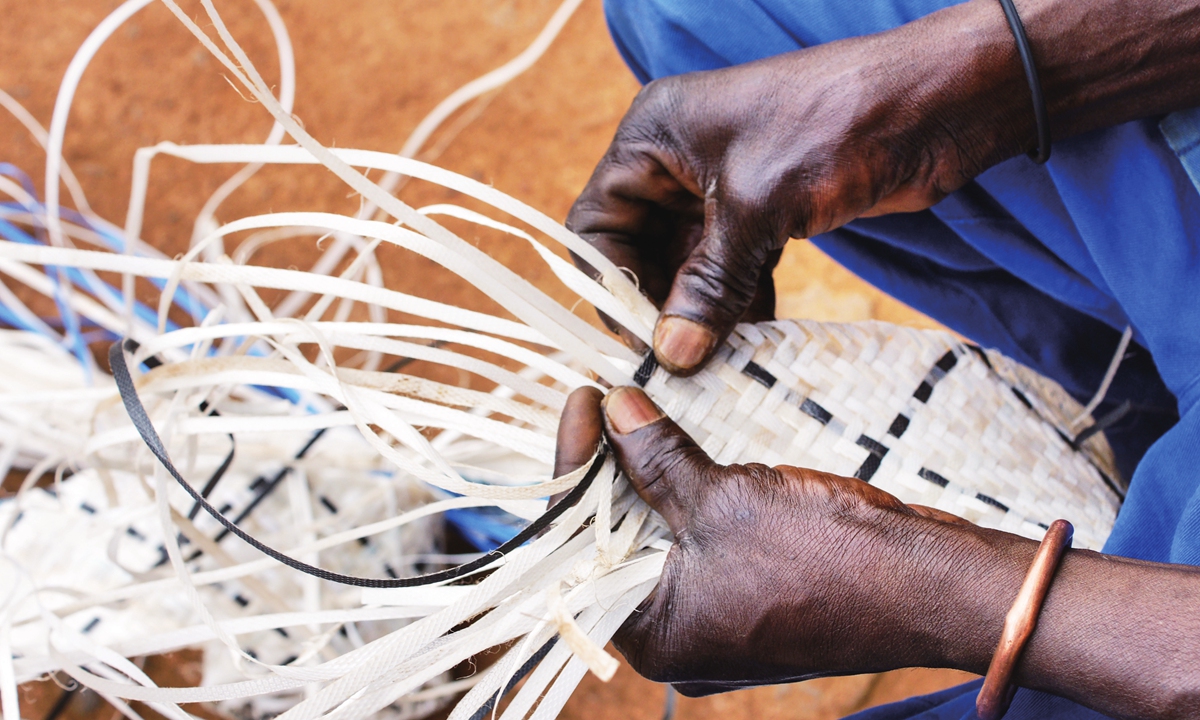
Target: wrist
<point>973,97</point>
<point>1099,64</point>
<point>961,581</point>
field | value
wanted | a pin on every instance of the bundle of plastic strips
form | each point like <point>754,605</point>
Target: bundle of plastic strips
<point>239,395</point>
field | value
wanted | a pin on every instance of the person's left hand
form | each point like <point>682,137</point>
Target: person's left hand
<point>777,574</point>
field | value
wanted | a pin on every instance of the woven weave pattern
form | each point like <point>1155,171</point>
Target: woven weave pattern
<point>917,413</point>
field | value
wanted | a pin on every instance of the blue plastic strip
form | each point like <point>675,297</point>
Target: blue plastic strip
<point>10,318</point>
<point>16,173</point>
<point>76,335</point>
<point>485,528</point>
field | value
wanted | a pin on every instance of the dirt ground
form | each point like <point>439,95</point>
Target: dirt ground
<point>368,70</point>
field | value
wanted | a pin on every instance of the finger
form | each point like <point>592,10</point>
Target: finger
<point>633,342</point>
<point>617,208</point>
<point>713,289</point>
<point>639,216</point>
<point>580,429</point>
<point>664,465</point>
<point>762,307</point>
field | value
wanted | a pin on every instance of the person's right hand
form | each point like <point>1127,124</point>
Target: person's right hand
<point>710,173</point>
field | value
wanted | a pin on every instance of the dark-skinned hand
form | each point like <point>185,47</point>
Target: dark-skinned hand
<point>766,560</point>
<point>710,173</point>
<point>779,574</point>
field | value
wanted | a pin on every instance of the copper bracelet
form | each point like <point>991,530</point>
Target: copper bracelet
<point>997,691</point>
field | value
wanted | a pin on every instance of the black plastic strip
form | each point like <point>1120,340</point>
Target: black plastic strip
<point>759,373</point>
<point>1111,485</point>
<point>486,708</point>
<point>982,355</point>
<point>153,362</point>
<point>141,421</point>
<point>924,390</point>
<point>933,477</point>
<point>1074,444</point>
<point>869,467</point>
<point>219,473</point>
<point>991,501</point>
<point>1066,439</point>
<point>815,411</point>
<point>872,445</point>
<point>899,425</point>
<point>947,362</point>
<point>646,369</point>
<point>944,365</point>
<point>273,483</point>
<point>1103,423</point>
<point>261,485</point>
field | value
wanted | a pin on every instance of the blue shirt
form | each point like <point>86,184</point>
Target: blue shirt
<point>1046,263</point>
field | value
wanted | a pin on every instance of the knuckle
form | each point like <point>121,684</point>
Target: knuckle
<point>747,183</point>
<point>593,209</point>
<point>673,457</point>
<point>652,123</point>
<point>660,98</point>
<point>758,193</point>
<point>577,216</point>
<point>664,464</point>
<point>720,280</point>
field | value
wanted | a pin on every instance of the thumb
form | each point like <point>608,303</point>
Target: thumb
<point>714,288</point>
<point>664,465</point>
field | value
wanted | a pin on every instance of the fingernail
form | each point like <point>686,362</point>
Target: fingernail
<point>681,344</point>
<point>630,409</point>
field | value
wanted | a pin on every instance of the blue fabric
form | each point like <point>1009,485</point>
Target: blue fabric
<point>1046,263</point>
<point>1182,131</point>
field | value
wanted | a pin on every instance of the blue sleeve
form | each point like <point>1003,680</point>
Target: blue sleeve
<point>669,37</point>
<point>958,703</point>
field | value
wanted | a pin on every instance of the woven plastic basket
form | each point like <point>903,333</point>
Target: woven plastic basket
<point>917,413</point>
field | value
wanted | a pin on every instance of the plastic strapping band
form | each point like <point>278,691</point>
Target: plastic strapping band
<point>646,369</point>
<point>486,708</point>
<point>1103,424</point>
<point>1041,117</point>
<point>141,421</point>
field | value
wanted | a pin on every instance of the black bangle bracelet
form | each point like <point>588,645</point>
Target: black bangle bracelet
<point>1041,117</point>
